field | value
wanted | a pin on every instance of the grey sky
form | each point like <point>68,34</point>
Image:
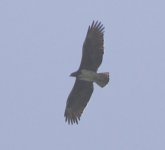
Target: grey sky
<point>40,45</point>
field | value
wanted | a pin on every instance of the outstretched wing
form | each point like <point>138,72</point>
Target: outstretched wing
<point>77,100</point>
<point>93,47</point>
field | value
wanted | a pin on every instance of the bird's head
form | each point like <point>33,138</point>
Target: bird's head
<point>74,74</point>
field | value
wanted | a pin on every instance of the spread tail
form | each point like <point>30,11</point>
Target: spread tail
<point>102,79</point>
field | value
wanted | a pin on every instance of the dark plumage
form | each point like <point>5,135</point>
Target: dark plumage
<point>92,55</point>
<point>93,48</point>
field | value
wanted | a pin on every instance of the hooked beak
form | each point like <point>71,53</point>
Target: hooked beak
<point>74,74</point>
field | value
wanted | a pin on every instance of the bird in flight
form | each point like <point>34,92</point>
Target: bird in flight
<point>86,75</point>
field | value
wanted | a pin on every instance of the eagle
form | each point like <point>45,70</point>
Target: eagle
<point>86,75</point>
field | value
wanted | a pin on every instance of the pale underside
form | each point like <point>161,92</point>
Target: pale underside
<point>100,79</point>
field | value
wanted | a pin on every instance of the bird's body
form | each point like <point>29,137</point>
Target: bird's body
<point>92,56</point>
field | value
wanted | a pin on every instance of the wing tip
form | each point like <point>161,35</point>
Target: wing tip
<point>97,25</point>
<point>71,118</point>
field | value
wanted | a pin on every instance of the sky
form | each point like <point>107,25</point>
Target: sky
<point>41,44</point>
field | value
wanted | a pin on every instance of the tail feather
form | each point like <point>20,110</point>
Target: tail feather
<point>102,79</point>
